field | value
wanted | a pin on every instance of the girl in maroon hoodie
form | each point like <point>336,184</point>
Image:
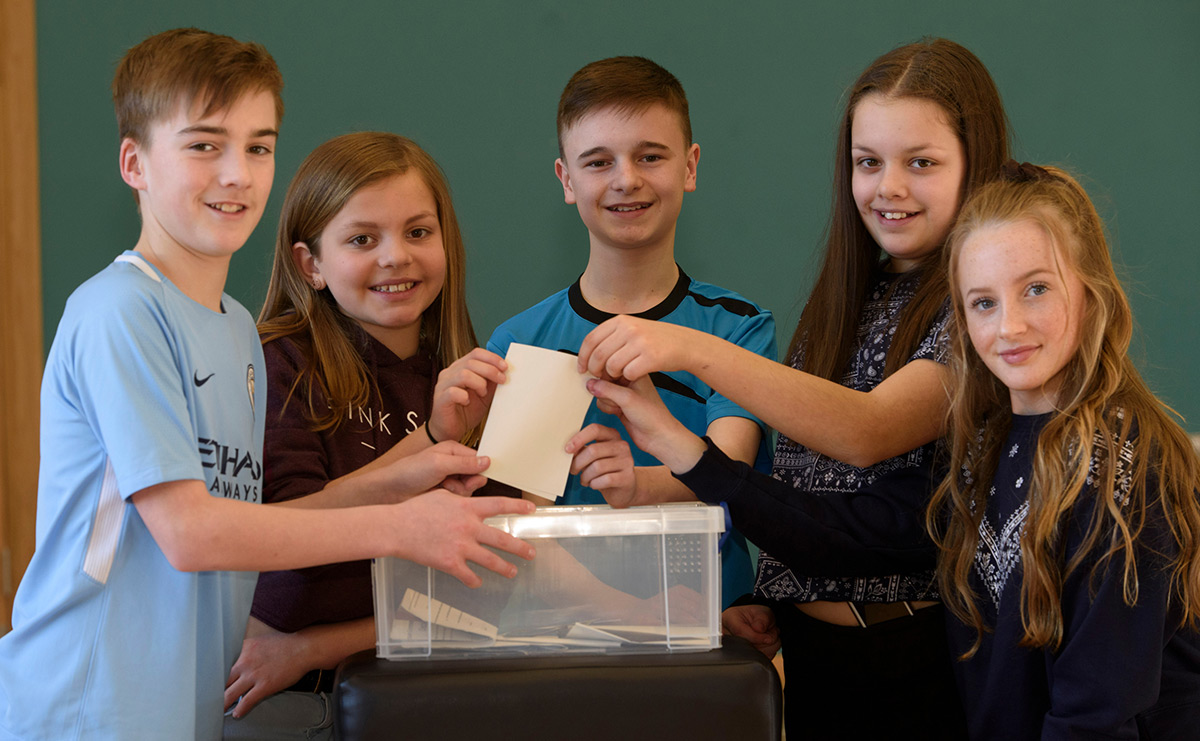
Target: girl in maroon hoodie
<point>371,358</point>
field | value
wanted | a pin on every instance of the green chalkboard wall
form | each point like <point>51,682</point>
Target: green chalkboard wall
<point>1109,89</point>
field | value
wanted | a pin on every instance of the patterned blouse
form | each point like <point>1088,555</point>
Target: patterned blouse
<point>808,470</point>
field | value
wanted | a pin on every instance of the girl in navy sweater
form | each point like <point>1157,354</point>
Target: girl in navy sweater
<point>1074,575</point>
<point>1067,537</point>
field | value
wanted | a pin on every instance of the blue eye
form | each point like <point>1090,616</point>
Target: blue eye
<point>982,304</point>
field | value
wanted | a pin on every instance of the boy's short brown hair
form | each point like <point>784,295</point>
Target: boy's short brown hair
<point>631,84</point>
<point>183,66</point>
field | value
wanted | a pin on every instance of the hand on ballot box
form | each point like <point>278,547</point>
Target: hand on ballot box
<point>445,531</point>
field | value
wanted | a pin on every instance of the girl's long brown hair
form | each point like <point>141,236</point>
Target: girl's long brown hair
<point>949,75</point>
<point>334,374</point>
<point>1105,417</point>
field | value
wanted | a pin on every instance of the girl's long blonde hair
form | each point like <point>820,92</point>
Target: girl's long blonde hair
<point>334,374</point>
<point>1144,465</point>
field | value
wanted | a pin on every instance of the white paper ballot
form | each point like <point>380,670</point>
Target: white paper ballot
<point>534,413</point>
<point>444,615</point>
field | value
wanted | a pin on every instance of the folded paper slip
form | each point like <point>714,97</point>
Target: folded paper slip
<point>533,415</point>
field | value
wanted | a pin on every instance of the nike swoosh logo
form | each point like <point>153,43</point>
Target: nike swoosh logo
<point>196,379</point>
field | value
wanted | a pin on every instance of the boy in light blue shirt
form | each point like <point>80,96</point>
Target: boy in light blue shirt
<point>134,606</point>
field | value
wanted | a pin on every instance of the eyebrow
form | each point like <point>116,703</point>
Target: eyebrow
<point>1019,278</point>
<point>367,224</point>
<point>222,131</point>
<point>1034,272</point>
<point>644,144</point>
<point>910,150</point>
<point>422,216</point>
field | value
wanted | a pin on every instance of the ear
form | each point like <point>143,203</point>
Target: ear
<point>306,263</point>
<point>693,161</point>
<point>564,177</point>
<point>130,161</point>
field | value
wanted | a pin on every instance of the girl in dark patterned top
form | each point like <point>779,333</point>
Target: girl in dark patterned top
<point>1070,537</point>
<point>862,395</point>
<point>371,358</point>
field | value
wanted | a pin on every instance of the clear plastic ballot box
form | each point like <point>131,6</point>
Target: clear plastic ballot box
<point>642,579</point>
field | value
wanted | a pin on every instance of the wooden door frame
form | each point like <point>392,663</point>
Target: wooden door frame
<point>21,358</point>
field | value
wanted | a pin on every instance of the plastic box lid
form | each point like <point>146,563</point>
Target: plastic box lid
<point>603,520</point>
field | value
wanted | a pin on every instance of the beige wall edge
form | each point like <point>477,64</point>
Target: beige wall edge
<point>20,295</point>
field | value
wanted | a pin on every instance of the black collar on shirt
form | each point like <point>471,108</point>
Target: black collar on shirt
<point>663,308</point>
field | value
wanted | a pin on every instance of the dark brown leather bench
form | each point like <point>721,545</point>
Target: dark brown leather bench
<point>732,692</point>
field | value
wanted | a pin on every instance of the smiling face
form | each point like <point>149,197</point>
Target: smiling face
<point>908,168</point>
<point>627,173</point>
<point>1024,305</point>
<point>203,181</point>
<point>382,258</point>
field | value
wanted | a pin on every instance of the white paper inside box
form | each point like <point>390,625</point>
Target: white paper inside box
<point>603,580</point>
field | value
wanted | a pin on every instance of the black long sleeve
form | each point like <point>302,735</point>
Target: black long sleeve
<point>876,530</point>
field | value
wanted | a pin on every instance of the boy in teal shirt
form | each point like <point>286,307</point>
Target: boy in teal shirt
<point>626,157</point>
